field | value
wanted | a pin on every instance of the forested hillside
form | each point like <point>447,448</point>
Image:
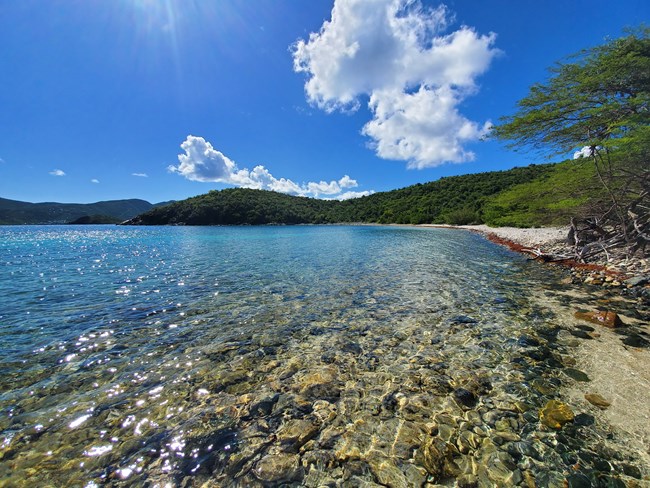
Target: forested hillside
<point>520,196</point>
<point>451,200</point>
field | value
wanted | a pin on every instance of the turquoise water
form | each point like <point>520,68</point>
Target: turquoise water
<point>264,356</point>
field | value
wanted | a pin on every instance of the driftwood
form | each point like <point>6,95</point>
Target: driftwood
<point>545,256</point>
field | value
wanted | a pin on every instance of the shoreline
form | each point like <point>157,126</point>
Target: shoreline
<point>529,241</point>
<point>616,371</point>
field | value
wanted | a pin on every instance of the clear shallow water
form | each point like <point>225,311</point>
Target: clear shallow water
<point>277,355</point>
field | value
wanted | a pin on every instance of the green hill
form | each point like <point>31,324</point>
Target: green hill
<point>13,212</point>
<point>570,189</point>
<point>530,196</point>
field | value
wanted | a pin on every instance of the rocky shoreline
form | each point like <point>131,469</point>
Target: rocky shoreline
<point>613,297</point>
<point>612,271</point>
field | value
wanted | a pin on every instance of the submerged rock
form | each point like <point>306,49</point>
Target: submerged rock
<point>597,400</point>
<point>465,398</point>
<point>581,334</point>
<point>463,319</point>
<point>576,374</point>
<point>601,317</point>
<point>555,414</point>
<point>635,340</point>
<point>435,455</point>
<point>295,433</point>
<point>584,419</point>
<point>278,467</point>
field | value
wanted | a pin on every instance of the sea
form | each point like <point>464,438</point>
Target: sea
<point>286,356</point>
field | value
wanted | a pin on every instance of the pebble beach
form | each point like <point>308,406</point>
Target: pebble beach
<point>618,372</point>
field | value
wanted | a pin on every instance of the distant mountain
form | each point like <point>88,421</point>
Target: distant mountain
<point>13,212</point>
<point>543,194</point>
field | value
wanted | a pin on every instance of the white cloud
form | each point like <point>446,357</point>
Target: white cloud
<point>141,175</point>
<point>585,152</point>
<point>202,162</point>
<point>57,172</point>
<point>2,161</point>
<point>396,53</point>
<point>353,194</point>
<point>94,180</point>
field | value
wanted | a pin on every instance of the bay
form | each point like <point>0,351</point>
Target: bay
<point>260,356</point>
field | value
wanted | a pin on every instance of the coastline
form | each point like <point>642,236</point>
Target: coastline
<point>554,240</point>
<point>618,372</point>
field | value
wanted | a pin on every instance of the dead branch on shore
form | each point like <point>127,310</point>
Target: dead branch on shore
<point>625,228</point>
<point>546,256</point>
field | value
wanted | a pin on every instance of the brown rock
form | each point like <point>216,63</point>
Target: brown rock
<point>605,318</point>
<point>278,467</point>
<point>555,414</point>
<point>597,400</point>
<point>435,456</point>
<point>296,432</point>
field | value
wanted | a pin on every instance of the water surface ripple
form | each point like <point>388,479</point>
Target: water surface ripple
<point>293,356</point>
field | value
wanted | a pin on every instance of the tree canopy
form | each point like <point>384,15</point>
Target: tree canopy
<point>597,100</point>
<point>598,104</point>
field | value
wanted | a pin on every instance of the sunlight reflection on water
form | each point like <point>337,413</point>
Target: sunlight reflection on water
<point>159,354</point>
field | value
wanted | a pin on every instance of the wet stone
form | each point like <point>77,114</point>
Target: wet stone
<point>351,348</point>
<point>584,419</point>
<point>296,432</point>
<point>467,441</point>
<point>467,481</point>
<point>597,400</point>
<point>389,475</point>
<point>523,448</point>
<point>263,407</point>
<point>578,480</point>
<point>527,341</point>
<point>635,340</point>
<point>465,398</point>
<point>576,374</point>
<point>474,418</point>
<point>631,471</point>
<point>581,334</point>
<point>445,432</point>
<point>435,454</point>
<point>463,319</point>
<point>278,467</point>
<point>586,328</point>
<point>539,354</point>
<point>555,414</point>
<point>604,318</point>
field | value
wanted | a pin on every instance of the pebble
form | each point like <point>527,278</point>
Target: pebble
<point>576,374</point>
<point>278,467</point>
<point>597,400</point>
<point>601,317</point>
<point>556,414</point>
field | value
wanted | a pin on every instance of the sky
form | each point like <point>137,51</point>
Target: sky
<point>167,99</point>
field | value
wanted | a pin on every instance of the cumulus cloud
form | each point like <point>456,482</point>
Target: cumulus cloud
<point>396,53</point>
<point>202,162</point>
<point>94,180</point>
<point>57,172</point>
<point>141,175</point>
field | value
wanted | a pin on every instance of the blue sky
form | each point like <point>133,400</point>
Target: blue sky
<point>167,99</point>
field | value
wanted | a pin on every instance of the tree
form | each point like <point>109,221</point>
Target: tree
<point>599,106</point>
